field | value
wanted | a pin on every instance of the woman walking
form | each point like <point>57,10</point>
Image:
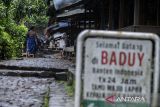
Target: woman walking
<point>31,41</point>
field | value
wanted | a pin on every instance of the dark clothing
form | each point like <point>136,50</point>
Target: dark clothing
<point>31,44</point>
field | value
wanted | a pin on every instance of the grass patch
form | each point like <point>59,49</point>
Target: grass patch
<point>46,99</point>
<point>70,89</point>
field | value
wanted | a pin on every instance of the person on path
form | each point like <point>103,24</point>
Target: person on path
<point>32,41</point>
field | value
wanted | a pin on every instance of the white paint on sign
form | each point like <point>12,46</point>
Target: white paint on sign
<point>120,67</point>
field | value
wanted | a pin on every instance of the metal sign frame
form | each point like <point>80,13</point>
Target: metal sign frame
<point>113,34</point>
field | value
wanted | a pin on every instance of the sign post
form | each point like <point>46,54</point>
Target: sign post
<point>115,69</point>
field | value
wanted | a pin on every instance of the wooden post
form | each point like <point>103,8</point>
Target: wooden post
<point>102,16</point>
<point>110,22</point>
<point>90,19</point>
<point>158,13</point>
<point>122,13</point>
<point>136,12</point>
<point>85,16</point>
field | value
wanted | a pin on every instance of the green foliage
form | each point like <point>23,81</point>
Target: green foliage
<point>19,38</point>
<point>2,10</point>
<point>70,88</point>
<point>46,99</point>
<point>7,2</point>
<point>11,38</point>
<point>37,20</point>
<point>6,45</point>
<point>15,15</point>
<point>20,10</point>
<point>30,11</point>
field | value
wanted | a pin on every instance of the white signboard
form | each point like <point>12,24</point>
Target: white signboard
<point>120,67</point>
<point>117,67</point>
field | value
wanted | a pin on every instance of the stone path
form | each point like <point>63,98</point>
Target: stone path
<point>58,96</point>
<point>20,87</point>
<point>37,63</point>
<point>23,92</point>
<point>30,92</point>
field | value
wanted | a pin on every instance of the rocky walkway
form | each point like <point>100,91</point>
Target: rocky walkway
<point>58,96</point>
<point>24,83</point>
<point>23,92</point>
<point>47,64</point>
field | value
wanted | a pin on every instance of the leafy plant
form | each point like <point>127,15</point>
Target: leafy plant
<point>6,45</point>
<point>11,38</point>
<point>15,15</point>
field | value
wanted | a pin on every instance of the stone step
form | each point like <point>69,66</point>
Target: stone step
<point>36,67</point>
<point>25,73</point>
<point>30,68</point>
<point>36,64</point>
<point>50,51</point>
<point>40,74</point>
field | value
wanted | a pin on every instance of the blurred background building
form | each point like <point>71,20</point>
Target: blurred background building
<point>73,16</point>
